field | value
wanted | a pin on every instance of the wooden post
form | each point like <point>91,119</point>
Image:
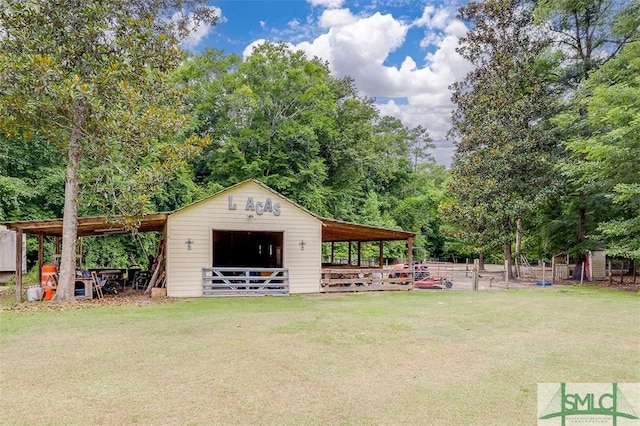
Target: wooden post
<point>507,269</point>
<point>410,254</point>
<point>466,268</point>
<point>610,273</point>
<point>19,266</point>
<point>40,254</point>
<point>349,255</point>
<point>359,253</point>
<point>476,274</point>
<point>381,261</point>
<point>333,252</point>
<point>621,272</point>
<point>553,270</point>
<point>543,267</point>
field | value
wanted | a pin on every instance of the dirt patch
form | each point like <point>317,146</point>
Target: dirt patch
<point>126,297</point>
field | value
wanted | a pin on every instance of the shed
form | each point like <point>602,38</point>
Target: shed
<point>596,267</point>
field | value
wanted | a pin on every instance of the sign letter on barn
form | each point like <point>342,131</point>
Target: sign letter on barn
<point>258,206</point>
<point>232,206</point>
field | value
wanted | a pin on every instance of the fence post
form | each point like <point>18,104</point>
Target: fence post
<point>553,270</point>
<point>476,273</point>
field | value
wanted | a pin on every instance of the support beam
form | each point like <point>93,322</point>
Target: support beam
<point>410,250</point>
<point>381,257</point>
<point>40,254</point>
<point>333,252</point>
<point>359,253</point>
<point>349,255</point>
<point>19,236</point>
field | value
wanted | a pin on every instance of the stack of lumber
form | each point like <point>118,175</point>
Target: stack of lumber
<point>158,277</point>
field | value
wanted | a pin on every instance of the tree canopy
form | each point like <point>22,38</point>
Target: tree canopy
<point>503,151</point>
<point>89,78</point>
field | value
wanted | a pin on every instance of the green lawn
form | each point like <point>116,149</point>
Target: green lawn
<point>442,358</point>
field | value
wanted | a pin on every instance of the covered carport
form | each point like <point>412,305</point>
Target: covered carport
<point>87,227</point>
<point>355,277</point>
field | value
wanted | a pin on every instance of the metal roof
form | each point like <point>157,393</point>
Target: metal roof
<point>337,230</point>
<point>88,226</point>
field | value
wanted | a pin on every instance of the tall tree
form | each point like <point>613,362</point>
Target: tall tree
<point>282,118</point>
<point>31,174</point>
<point>269,113</point>
<point>89,76</point>
<point>588,33</point>
<point>609,150</point>
<point>502,158</point>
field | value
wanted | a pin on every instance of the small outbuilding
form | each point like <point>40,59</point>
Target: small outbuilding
<point>248,239</point>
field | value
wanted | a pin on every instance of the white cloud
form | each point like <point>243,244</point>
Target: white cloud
<point>336,18</point>
<point>199,31</point>
<point>358,46</point>
<point>433,18</point>
<point>326,3</point>
<point>293,24</point>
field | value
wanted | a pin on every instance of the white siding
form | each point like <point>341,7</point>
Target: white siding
<point>196,222</point>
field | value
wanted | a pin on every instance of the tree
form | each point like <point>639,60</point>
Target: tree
<point>30,176</point>
<point>282,118</point>
<point>419,212</point>
<point>90,78</point>
<point>588,33</point>
<point>269,113</point>
<point>609,149</point>
<point>503,150</point>
<point>419,145</point>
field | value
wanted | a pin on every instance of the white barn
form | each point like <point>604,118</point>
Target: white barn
<point>246,225</point>
<point>245,239</point>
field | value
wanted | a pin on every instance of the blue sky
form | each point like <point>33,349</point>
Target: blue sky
<point>400,52</point>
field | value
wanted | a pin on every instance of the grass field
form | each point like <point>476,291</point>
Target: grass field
<point>441,358</point>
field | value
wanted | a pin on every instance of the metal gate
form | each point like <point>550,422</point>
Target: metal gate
<point>245,281</point>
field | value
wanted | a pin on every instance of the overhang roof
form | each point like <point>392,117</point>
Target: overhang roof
<point>337,230</point>
<point>88,226</point>
<point>332,230</point>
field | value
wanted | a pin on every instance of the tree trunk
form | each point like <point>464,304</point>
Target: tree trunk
<point>481,261</point>
<point>518,236</point>
<point>507,256</point>
<point>66,281</point>
<point>582,220</point>
<point>518,258</point>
